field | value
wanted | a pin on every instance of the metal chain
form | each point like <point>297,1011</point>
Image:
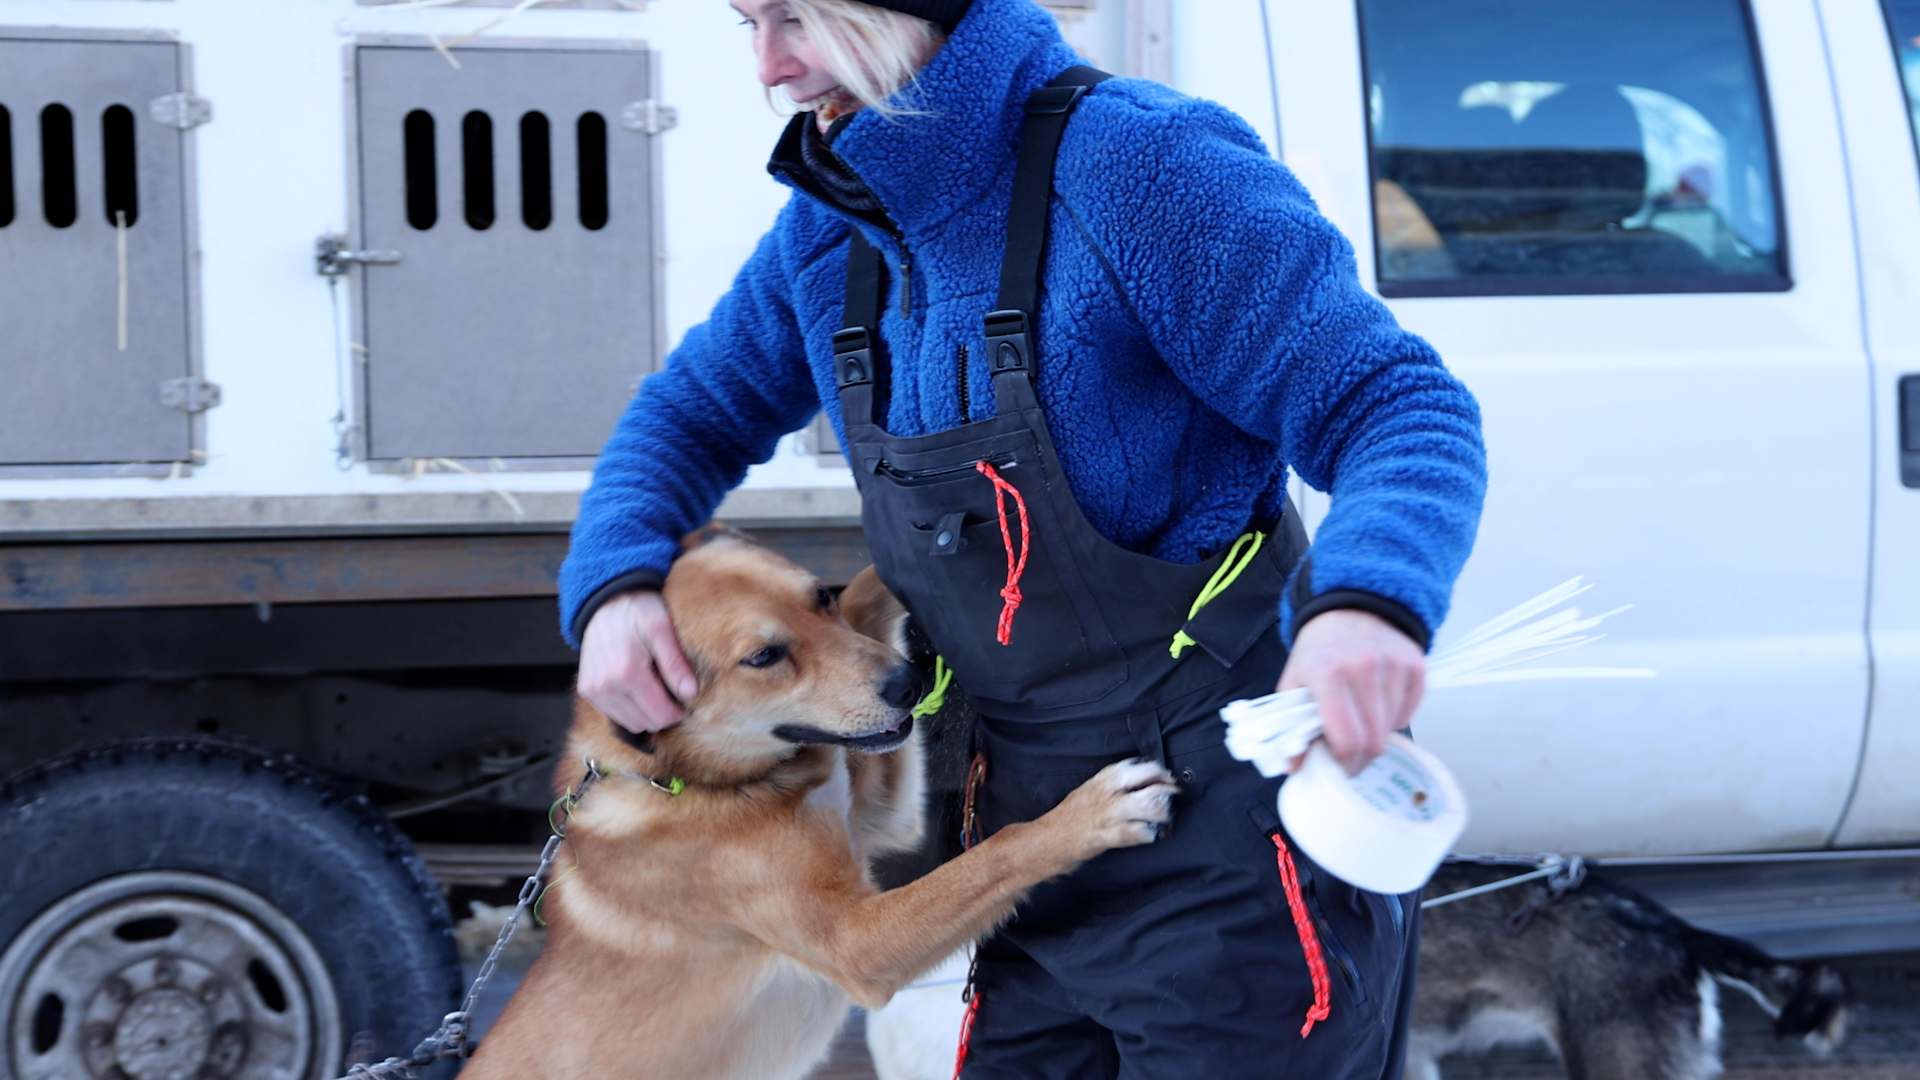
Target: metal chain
<point>1563,875</point>
<point>451,1040</point>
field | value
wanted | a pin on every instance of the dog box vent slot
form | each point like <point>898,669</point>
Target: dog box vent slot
<point>536,171</point>
<point>84,167</point>
<point>476,146</point>
<point>520,333</point>
<point>57,197</point>
<point>6,167</point>
<point>119,167</point>
<point>423,195</point>
<point>593,171</point>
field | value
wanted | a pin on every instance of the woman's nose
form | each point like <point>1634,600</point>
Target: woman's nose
<point>778,64</point>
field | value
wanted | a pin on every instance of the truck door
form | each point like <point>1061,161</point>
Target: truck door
<point>516,193</point>
<point>1624,224</point>
<point>1876,64</point>
<point>95,289</point>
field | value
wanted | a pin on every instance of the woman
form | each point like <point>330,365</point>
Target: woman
<point>1051,489</point>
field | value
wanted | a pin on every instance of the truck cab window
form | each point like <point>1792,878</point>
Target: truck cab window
<point>1903,20</point>
<point>1569,146</point>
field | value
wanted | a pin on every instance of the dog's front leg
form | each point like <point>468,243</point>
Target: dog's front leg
<point>873,943</point>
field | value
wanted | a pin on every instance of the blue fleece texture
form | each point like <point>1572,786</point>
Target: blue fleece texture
<point>1201,327</point>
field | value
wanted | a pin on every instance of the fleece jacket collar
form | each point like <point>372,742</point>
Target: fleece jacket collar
<point>967,107</point>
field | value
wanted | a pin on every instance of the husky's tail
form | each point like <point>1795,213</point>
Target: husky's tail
<point>1807,1000</point>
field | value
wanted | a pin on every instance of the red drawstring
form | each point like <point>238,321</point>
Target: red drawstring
<point>1309,939</point>
<point>1011,593</point>
<point>966,1030</point>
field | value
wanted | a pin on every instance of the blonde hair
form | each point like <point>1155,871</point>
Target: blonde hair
<point>873,51</point>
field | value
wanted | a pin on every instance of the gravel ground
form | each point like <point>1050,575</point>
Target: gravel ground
<point>1882,1043</point>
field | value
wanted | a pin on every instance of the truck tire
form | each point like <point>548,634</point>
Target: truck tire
<point>202,909</point>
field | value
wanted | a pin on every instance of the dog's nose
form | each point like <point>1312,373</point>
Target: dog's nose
<point>903,688</point>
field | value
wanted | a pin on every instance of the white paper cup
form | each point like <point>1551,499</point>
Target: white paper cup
<point>1385,830</point>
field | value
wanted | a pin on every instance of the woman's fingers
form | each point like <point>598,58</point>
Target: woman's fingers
<point>1351,711</point>
<point>1366,676</point>
<point>627,646</point>
<point>664,647</point>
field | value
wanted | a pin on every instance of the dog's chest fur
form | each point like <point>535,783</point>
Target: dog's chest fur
<point>836,795</point>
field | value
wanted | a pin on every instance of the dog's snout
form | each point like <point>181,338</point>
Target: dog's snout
<point>903,688</point>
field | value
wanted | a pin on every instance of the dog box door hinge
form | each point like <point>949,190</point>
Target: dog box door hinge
<point>190,394</point>
<point>182,111</point>
<point>649,117</point>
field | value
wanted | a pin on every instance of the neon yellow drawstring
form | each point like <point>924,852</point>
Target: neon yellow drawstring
<point>937,697</point>
<point>1229,571</point>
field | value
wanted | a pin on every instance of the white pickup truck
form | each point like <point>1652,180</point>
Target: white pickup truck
<point>1673,249</point>
<point>314,314</point>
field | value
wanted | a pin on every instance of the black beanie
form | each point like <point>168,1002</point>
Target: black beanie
<point>947,13</point>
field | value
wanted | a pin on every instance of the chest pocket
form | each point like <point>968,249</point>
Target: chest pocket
<point>950,567</point>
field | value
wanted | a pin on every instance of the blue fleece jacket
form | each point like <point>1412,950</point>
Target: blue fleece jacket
<point>1201,327</point>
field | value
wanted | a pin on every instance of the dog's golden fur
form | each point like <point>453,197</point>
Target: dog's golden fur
<point>721,932</point>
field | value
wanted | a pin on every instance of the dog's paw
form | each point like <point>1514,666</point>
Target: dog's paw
<point>1123,805</point>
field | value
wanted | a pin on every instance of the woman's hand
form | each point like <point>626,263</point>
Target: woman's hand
<point>1366,676</point>
<point>629,656</point>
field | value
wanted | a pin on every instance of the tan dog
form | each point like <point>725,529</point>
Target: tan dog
<point>719,932</point>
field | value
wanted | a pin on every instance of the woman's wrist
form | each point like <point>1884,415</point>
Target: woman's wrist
<point>631,581</point>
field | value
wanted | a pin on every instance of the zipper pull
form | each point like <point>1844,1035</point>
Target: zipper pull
<point>906,283</point>
<point>966,403</point>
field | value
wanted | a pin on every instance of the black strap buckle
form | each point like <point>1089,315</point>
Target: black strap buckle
<point>1009,344</point>
<point>1054,100</point>
<point>853,356</point>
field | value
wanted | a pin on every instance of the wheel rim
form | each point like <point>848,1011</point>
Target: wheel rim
<point>167,975</point>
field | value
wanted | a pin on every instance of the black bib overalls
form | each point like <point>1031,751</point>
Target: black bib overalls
<point>1181,958</point>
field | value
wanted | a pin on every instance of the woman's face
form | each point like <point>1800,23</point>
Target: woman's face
<point>786,57</point>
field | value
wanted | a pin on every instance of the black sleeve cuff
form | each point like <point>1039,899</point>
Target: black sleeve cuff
<point>1398,615</point>
<point>1393,611</point>
<point>632,581</point>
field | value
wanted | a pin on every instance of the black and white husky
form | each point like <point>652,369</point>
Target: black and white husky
<point>1619,986</point>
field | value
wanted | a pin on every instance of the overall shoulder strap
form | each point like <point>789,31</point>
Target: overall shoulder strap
<point>858,359</point>
<point>1010,328</point>
<point>858,355</point>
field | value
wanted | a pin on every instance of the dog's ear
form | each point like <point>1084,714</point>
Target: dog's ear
<point>639,740</point>
<point>870,609</point>
<point>708,533</point>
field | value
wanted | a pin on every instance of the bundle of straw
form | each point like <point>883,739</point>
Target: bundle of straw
<point>1273,730</point>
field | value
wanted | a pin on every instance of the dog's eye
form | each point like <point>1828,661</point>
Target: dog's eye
<point>823,599</point>
<point>766,657</point>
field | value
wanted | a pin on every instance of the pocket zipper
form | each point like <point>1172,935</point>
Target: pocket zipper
<point>1340,955</point>
<point>1005,461</point>
<point>966,405</point>
<point>1329,941</point>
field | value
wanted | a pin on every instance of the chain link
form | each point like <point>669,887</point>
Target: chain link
<point>1563,875</point>
<point>451,1040</point>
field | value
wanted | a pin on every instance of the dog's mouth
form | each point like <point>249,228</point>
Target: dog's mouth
<point>877,742</point>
